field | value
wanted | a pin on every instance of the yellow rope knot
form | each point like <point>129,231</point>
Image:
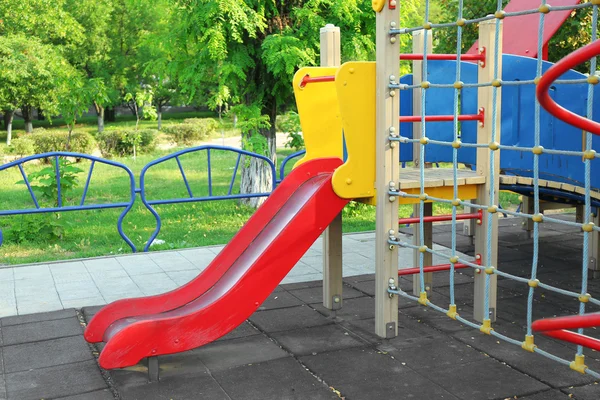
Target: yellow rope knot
<point>537,218</point>
<point>579,364</point>
<point>486,327</point>
<point>423,299</point>
<point>452,311</point>
<point>528,344</point>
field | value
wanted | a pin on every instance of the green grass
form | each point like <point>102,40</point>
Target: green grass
<point>94,233</point>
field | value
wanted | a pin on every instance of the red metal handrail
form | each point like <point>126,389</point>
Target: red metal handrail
<point>441,218</point>
<point>480,116</point>
<point>317,79</point>
<point>556,328</point>
<point>567,63</point>
<point>449,57</point>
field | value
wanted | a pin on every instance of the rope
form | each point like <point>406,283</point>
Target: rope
<point>455,258</point>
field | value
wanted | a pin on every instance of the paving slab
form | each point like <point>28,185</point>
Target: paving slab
<point>363,373</point>
<point>95,395</point>
<point>285,319</point>
<point>315,294</point>
<point>439,351</point>
<point>317,339</point>
<point>537,366</point>
<point>489,379</point>
<point>53,382</point>
<point>43,330</point>
<point>232,353</point>
<point>46,353</point>
<point>280,299</point>
<point>39,317</point>
<point>282,379</point>
<point>587,392</point>
<point>244,330</point>
<point>547,395</point>
<point>357,308</point>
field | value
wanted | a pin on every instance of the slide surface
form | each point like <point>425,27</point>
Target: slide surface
<point>234,285</point>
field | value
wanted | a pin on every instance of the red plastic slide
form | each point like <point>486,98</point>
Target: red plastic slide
<point>234,285</point>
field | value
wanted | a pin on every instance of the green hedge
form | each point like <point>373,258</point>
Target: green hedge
<point>191,130</point>
<point>115,143</point>
<point>45,141</point>
<point>22,146</point>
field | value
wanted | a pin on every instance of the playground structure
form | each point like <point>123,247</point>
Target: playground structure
<point>364,101</point>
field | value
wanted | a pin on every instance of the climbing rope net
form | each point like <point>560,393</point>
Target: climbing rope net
<point>485,267</point>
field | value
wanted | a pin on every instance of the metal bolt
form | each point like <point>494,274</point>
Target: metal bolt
<point>393,24</point>
<point>392,199</point>
<point>392,93</point>
<point>391,232</point>
<point>392,145</point>
<point>392,78</point>
<point>393,39</point>
<point>392,130</point>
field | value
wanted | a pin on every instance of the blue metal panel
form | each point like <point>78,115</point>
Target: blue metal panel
<point>518,113</point>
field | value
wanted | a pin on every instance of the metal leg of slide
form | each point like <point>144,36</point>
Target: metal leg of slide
<point>153,369</point>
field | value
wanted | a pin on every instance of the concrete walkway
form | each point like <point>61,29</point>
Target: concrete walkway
<point>37,288</point>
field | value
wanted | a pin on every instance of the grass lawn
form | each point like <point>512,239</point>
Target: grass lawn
<point>94,233</point>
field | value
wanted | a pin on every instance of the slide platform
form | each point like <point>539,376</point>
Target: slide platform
<point>234,285</point>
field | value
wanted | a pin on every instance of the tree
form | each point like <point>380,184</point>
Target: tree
<point>141,102</point>
<point>250,49</point>
<point>92,55</point>
<point>31,74</point>
<point>572,35</point>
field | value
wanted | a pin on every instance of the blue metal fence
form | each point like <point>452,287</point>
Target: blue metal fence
<point>134,190</point>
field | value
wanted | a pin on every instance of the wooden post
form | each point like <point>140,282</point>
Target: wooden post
<point>484,135</point>
<point>332,237</point>
<point>418,48</point>
<point>387,170</point>
<point>528,208</point>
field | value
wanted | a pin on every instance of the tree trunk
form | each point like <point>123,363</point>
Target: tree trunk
<point>256,173</point>
<point>28,117</point>
<point>6,115</point>
<point>100,113</point>
<point>111,115</point>
<point>8,120</point>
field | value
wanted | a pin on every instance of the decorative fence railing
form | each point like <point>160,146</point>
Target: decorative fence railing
<point>141,189</point>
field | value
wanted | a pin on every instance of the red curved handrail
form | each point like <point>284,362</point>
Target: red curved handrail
<point>556,328</point>
<point>567,63</point>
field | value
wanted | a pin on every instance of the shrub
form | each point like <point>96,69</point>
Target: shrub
<point>191,130</point>
<point>119,143</point>
<point>45,141</point>
<point>22,146</point>
<point>290,125</point>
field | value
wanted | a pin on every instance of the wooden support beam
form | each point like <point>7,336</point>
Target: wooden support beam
<point>594,249</point>
<point>387,170</point>
<point>418,48</point>
<point>332,237</point>
<point>487,40</point>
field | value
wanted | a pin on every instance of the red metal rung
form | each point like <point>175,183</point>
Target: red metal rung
<point>440,218</point>
<point>450,57</point>
<point>317,79</point>
<point>431,268</point>
<point>445,118</point>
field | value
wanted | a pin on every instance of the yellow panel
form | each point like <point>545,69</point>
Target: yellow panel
<point>355,82</point>
<point>441,192</point>
<point>319,114</point>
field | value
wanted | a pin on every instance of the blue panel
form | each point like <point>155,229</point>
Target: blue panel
<point>518,116</point>
<point>406,107</point>
<point>441,102</point>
